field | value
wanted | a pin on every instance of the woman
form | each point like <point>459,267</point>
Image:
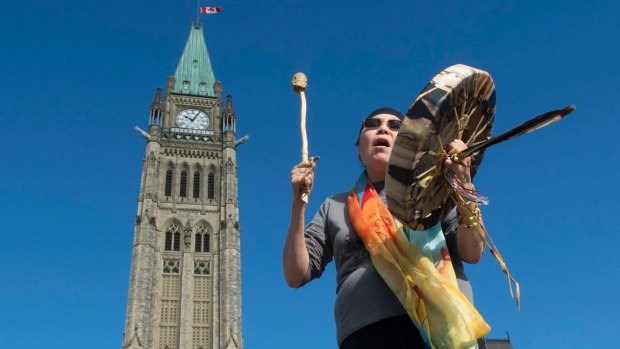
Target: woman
<point>368,314</point>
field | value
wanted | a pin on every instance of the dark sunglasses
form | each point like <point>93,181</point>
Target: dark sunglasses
<point>393,124</point>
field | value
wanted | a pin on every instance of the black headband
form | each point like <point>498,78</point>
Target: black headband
<point>385,110</point>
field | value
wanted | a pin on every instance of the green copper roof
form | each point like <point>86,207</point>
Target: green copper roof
<point>194,74</point>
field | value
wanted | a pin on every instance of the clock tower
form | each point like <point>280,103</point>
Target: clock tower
<point>185,279</point>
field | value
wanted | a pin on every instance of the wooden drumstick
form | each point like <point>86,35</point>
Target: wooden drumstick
<point>300,83</point>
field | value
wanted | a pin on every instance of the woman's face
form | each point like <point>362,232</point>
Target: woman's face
<point>375,145</point>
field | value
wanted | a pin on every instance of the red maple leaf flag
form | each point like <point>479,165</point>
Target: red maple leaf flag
<point>209,10</point>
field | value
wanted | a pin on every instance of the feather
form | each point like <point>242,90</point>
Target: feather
<point>527,127</point>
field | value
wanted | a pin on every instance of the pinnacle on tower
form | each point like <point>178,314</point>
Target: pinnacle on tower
<point>156,111</point>
<point>230,117</point>
<point>229,103</point>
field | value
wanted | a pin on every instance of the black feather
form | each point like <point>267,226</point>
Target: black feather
<point>527,127</point>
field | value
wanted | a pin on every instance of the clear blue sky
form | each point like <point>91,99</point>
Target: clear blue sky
<point>77,76</point>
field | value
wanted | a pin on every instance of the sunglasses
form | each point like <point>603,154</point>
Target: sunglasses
<point>393,124</point>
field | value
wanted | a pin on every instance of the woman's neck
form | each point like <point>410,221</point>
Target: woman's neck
<point>375,176</point>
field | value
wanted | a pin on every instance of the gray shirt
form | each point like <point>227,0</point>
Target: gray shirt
<point>362,297</point>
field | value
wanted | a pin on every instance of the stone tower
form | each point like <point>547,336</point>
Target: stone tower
<point>185,280</point>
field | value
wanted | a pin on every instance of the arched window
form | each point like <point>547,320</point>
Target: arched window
<point>183,186</point>
<point>198,243</point>
<point>168,246</point>
<point>177,241</point>
<point>211,186</point>
<point>203,241</point>
<point>196,184</point>
<point>168,189</point>
<point>173,238</point>
<point>206,243</point>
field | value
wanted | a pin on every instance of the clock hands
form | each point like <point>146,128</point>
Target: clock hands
<point>192,119</point>
<point>195,116</point>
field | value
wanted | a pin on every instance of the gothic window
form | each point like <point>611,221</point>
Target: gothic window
<point>206,243</point>
<point>202,242</point>
<point>197,184</point>
<point>168,190</point>
<point>201,267</point>
<point>186,85</point>
<point>203,87</point>
<point>169,305</point>
<point>198,243</point>
<point>173,238</point>
<point>177,241</point>
<point>183,186</point>
<point>201,312</point>
<point>211,186</point>
<point>168,246</point>
<point>202,288</point>
<point>171,266</point>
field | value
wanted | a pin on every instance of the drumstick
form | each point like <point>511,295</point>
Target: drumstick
<point>300,83</point>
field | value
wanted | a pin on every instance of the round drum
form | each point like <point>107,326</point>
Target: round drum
<point>458,103</point>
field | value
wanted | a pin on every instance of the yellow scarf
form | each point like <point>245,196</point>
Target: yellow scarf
<point>431,297</point>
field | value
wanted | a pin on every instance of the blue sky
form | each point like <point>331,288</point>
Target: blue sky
<point>77,76</point>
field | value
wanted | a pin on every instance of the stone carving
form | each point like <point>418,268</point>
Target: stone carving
<point>187,235</point>
<point>230,166</point>
<point>142,133</point>
<point>198,101</point>
<point>233,341</point>
<point>242,140</point>
<point>170,141</point>
<point>151,220</point>
<point>152,160</point>
<point>134,342</point>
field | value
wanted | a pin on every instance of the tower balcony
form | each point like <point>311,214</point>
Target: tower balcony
<point>188,133</point>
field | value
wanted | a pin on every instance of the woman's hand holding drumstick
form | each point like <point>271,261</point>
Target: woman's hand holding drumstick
<point>302,175</point>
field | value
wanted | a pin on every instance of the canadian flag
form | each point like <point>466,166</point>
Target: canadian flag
<point>210,10</point>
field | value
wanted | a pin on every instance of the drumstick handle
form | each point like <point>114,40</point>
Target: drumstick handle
<point>304,136</point>
<point>304,139</point>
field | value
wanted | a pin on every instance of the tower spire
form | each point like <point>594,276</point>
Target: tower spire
<point>194,74</point>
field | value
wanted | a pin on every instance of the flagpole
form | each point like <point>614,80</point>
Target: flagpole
<point>198,12</point>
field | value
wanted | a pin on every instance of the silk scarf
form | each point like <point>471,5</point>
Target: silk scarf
<point>418,270</point>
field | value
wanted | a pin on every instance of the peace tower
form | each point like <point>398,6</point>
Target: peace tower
<point>185,279</point>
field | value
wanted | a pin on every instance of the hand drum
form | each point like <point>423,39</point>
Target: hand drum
<point>458,103</point>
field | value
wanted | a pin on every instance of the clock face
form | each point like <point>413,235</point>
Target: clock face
<point>192,118</point>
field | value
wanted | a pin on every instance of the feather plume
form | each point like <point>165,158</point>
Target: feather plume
<point>527,127</point>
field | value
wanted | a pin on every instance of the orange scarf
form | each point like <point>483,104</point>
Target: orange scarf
<point>444,316</point>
